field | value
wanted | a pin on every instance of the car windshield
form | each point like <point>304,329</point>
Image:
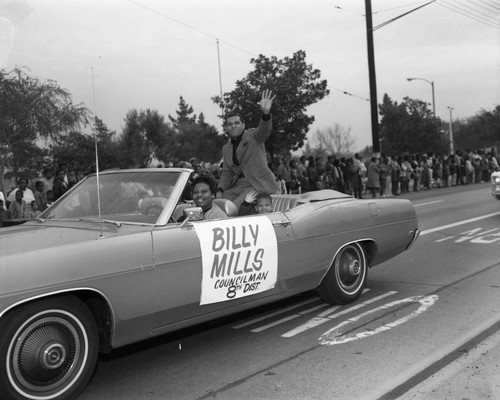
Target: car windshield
<point>124,196</point>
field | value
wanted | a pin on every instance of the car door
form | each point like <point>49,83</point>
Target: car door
<point>179,270</point>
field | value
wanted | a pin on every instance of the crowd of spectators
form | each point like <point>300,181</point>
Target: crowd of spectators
<point>29,199</point>
<point>384,176</point>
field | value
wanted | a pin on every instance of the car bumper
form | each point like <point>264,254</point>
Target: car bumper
<point>415,235</point>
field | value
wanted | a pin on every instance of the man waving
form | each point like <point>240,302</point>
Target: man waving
<point>244,156</point>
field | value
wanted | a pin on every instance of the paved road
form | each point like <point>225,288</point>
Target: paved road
<point>427,325</point>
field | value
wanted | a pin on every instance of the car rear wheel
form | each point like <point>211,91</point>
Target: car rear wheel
<point>48,350</point>
<point>346,278</point>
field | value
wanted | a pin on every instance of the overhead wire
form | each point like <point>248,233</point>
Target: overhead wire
<point>465,13</point>
<point>474,11</point>
<point>398,7</point>
<point>484,5</point>
<point>400,16</point>
<point>223,41</point>
<point>494,6</point>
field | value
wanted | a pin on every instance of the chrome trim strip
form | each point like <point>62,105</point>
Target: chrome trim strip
<point>2,312</point>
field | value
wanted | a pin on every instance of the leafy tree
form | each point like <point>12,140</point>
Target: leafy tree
<point>31,109</point>
<point>199,140</point>
<point>78,150</point>
<point>410,127</point>
<point>144,136</point>
<point>296,85</point>
<point>478,132</point>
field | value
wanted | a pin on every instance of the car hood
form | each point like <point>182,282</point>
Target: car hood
<point>34,235</point>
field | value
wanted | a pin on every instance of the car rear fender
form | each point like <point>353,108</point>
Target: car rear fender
<point>369,246</point>
<point>95,300</point>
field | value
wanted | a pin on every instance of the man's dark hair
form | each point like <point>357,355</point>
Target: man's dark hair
<point>207,179</point>
<point>234,114</point>
<point>38,184</point>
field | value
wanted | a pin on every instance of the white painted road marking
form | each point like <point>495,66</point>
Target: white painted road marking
<point>476,235</point>
<point>428,203</point>
<point>284,310</point>
<point>439,228</point>
<point>333,336</point>
<point>323,317</point>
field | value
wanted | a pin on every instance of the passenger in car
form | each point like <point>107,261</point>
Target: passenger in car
<point>204,191</point>
<point>256,203</point>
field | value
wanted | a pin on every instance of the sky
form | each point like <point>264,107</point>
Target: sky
<point>118,55</point>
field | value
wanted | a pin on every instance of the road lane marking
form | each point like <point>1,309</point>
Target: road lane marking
<point>286,319</point>
<point>426,204</point>
<point>323,317</point>
<point>333,336</point>
<point>270,315</point>
<point>439,228</point>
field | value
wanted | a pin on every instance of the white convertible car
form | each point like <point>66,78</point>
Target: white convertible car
<point>102,268</point>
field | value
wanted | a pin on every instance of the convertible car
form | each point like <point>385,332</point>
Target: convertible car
<point>110,264</point>
<point>495,185</point>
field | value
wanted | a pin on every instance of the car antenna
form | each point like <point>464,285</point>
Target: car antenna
<point>97,161</point>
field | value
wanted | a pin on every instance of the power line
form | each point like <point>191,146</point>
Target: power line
<point>402,15</point>
<point>191,27</point>
<point>396,8</point>
<point>495,6</point>
<point>340,8</point>
<point>453,8</point>
<point>475,12</point>
<point>223,41</point>
<point>486,7</point>
<point>347,93</point>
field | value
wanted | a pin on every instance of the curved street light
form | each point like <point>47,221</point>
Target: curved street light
<point>433,99</point>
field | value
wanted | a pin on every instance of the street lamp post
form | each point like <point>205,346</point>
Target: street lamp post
<point>451,129</point>
<point>433,98</point>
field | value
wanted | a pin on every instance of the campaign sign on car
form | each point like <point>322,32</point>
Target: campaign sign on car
<point>239,258</point>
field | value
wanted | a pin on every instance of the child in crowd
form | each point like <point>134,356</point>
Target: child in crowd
<point>49,197</point>
<point>256,203</point>
<point>35,212</point>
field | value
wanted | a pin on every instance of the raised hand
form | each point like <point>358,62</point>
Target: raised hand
<point>266,102</point>
<point>251,196</point>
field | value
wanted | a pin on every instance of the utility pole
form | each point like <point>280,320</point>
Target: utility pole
<point>451,129</point>
<point>372,76</point>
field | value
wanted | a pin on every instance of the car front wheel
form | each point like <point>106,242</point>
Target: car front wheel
<point>48,350</point>
<point>346,278</point>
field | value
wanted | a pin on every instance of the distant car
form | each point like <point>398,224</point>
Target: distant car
<point>495,185</point>
<point>108,264</point>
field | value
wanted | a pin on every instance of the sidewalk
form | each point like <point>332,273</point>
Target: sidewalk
<point>474,376</point>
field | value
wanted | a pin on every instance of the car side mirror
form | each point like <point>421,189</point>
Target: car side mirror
<point>192,214</point>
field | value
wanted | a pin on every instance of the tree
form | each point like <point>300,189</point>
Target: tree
<point>410,127</point>
<point>335,139</point>
<point>183,114</point>
<point>199,140</point>
<point>31,109</point>
<point>78,150</point>
<point>192,138</point>
<point>296,85</point>
<point>144,136</point>
<point>478,132</point>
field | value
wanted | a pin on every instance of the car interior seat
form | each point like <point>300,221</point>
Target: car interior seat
<point>227,206</point>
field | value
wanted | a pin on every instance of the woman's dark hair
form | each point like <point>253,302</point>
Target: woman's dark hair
<point>207,179</point>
